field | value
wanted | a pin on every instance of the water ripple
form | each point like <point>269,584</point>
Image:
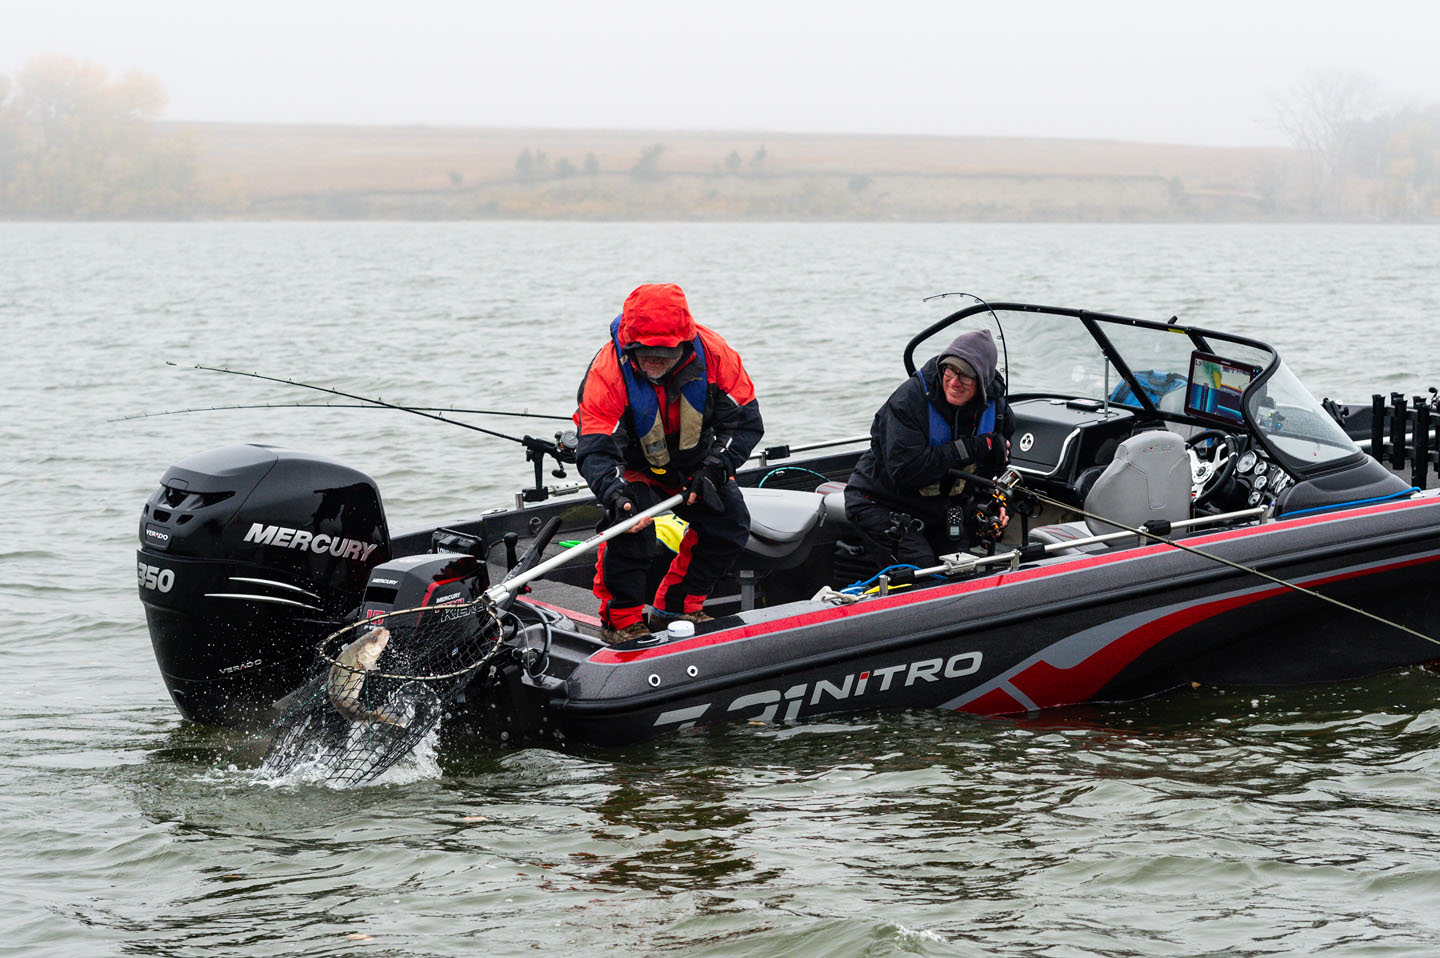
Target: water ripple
<point>1208,822</point>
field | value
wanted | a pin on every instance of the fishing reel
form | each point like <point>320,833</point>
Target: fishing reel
<point>986,517</point>
<point>989,508</point>
<point>561,449</point>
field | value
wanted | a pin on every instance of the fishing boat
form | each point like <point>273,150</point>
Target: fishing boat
<point>1183,510</point>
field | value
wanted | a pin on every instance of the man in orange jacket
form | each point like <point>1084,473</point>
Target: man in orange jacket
<point>665,407</point>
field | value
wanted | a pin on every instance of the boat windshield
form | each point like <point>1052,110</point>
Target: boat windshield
<point>1052,354</point>
<point>1186,372</point>
<point>1294,425</point>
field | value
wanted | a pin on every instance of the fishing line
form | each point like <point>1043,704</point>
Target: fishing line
<point>820,475</point>
<point>367,404</point>
<point>1004,347</point>
<point>1234,565</point>
<point>363,399</point>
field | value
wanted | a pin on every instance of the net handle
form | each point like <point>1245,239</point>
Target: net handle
<point>511,587</point>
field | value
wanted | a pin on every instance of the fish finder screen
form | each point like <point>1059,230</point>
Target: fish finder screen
<point>1216,386</point>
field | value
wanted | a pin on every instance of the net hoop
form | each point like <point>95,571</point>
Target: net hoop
<point>482,604</point>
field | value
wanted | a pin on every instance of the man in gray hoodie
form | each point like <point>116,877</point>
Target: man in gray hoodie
<point>950,416</point>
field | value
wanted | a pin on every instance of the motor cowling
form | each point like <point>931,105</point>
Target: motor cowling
<point>249,556</point>
<point>424,581</point>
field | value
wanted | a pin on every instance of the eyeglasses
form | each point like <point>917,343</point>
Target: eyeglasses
<point>952,374</point>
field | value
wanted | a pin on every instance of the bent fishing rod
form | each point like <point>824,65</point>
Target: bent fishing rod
<point>535,447</point>
<point>1007,491</point>
<point>367,404</point>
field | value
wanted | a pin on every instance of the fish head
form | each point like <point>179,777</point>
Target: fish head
<point>372,644</point>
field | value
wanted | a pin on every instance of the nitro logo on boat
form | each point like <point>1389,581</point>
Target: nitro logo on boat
<point>853,685</point>
<point>283,537</point>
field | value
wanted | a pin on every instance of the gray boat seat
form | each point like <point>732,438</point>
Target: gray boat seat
<point>834,492</point>
<point>782,526</point>
<point>780,519</point>
<point>1148,479</point>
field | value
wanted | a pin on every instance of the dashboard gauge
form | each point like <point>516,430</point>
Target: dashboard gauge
<point>1260,466</point>
<point>1246,462</point>
<point>1254,499</point>
<point>1260,482</point>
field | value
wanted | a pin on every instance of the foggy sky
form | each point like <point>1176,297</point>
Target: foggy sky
<point>1199,73</point>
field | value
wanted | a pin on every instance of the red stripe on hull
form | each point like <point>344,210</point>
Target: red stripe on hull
<point>1048,686</point>
<point>995,702</point>
<point>619,657</point>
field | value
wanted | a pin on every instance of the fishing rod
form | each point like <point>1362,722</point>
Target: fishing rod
<point>1007,491</point>
<point>363,399</point>
<point>561,448</point>
<point>1004,346</point>
<point>337,405</point>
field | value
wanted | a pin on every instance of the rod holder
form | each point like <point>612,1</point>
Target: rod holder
<point>1398,416</point>
<point>1419,470</point>
<point>1377,427</point>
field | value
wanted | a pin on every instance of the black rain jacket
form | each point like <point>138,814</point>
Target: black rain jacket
<point>901,462</point>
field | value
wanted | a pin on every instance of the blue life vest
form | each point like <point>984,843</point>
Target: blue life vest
<point>940,432</point>
<point>644,403</point>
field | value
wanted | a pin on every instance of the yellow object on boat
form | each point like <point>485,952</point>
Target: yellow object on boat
<point>670,529</point>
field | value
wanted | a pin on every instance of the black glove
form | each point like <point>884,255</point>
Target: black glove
<point>707,482</point>
<point>986,450</point>
<point>620,503</point>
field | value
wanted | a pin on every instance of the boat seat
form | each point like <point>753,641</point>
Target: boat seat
<point>782,523</point>
<point>834,493</point>
<point>1148,479</point>
<point>781,519</point>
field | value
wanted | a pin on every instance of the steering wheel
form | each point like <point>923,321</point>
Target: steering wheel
<point>1210,473</point>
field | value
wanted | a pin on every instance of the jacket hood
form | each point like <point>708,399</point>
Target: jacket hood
<point>976,347</point>
<point>657,314</point>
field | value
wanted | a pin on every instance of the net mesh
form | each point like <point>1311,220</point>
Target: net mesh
<point>378,688</point>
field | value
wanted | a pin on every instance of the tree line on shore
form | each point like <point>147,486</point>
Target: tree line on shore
<point>535,165</point>
<point>75,144</point>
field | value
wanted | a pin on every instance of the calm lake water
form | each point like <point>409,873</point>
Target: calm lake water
<point>1217,821</point>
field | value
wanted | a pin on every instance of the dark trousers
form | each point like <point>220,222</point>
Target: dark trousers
<point>893,537</point>
<point>706,553</point>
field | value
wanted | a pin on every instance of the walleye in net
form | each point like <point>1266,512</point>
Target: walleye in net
<point>379,687</point>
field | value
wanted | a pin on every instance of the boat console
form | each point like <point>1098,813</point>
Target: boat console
<point>1057,439</point>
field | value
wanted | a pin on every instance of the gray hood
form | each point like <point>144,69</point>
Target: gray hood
<point>976,347</point>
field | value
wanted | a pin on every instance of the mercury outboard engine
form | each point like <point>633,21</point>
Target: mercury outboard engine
<point>249,556</point>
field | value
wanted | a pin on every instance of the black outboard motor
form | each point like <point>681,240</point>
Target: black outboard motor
<point>249,556</point>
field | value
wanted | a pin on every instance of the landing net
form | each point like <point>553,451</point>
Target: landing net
<point>378,688</point>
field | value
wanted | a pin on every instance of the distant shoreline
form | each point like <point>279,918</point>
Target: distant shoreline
<point>272,171</point>
<point>234,171</point>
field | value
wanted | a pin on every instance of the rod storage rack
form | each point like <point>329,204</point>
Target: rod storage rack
<point>1404,432</point>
